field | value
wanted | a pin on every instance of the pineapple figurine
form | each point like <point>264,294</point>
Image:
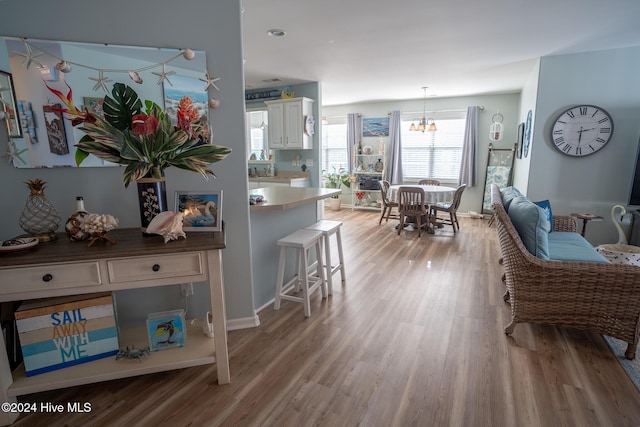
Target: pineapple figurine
<point>39,218</point>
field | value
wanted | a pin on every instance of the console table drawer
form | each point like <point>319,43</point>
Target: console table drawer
<point>52,276</point>
<point>155,267</point>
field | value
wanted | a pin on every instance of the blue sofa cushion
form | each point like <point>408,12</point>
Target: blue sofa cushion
<point>544,204</point>
<point>530,221</point>
<point>508,194</point>
<point>566,246</point>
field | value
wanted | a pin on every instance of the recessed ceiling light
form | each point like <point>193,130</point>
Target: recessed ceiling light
<point>274,32</point>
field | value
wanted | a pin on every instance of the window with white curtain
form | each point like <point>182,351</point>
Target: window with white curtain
<point>433,154</point>
<point>334,143</point>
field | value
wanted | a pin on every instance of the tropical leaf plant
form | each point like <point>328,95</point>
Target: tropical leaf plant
<point>146,143</point>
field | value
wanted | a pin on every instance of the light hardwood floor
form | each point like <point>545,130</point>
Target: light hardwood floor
<point>415,338</point>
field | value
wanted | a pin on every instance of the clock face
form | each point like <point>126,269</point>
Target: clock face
<point>582,130</point>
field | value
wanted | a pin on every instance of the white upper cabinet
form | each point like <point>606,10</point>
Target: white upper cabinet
<point>291,123</point>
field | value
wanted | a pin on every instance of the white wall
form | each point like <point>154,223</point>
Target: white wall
<point>506,104</point>
<point>214,27</point>
<point>608,79</point>
<point>528,99</point>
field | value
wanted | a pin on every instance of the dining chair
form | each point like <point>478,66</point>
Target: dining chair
<point>387,205</point>
<point>451,209</point>
<point>428,181</point>
<point>411,204</point>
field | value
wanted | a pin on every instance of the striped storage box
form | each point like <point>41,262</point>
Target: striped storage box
<point>56,333</point>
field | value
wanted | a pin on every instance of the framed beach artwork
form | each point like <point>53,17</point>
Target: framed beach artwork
<point>186,86</point>
<point>375,126</point>
<point>8,105</point>
<point>202,211</point>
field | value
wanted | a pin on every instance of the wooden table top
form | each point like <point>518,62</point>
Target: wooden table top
<point>130,242</point>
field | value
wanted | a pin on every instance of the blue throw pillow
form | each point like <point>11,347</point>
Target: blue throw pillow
<point>508,194</point>
<point>530,221</point>
<point>544,204</point>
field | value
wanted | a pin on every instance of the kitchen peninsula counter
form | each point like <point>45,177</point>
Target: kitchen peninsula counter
<point>285,210</point>
<point>282,198</point>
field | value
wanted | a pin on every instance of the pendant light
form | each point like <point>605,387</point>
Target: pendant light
<point>424,124</point>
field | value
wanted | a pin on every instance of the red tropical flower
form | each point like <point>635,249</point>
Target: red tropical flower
<point>141,124</point>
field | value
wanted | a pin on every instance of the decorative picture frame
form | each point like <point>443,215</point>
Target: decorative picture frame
<point>94,105</point>
<point>202,211</point>
<point>8,105</point>
<point>520,140</point>
<point>375,126</point>
<point>54,124</point>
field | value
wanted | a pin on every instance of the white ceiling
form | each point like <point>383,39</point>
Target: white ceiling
<point>365,50</point>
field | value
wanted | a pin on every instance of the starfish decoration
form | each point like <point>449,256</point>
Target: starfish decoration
<point>13,153</point>
<point>164,75</point>
<point>210,82</point>
<point>100,81</point>
<point>28,55</point>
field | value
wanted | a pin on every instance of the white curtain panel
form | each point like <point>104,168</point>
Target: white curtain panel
<point>393,172</point>
<point>354,136</point>
<point>468,167</point>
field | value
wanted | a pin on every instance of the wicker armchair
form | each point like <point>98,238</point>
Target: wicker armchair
<point>597,297</point>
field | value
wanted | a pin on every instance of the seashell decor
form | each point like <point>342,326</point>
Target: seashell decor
<point>168,224</point>
<point>97,225</point>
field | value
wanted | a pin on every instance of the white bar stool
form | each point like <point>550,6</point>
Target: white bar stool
<point>301,241</point>
<point>329,228</point>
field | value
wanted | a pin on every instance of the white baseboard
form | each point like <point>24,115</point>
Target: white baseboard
<point>243,323</point>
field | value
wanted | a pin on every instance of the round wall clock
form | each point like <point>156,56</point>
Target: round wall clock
<point>527,135</point>
<point>582,130</point>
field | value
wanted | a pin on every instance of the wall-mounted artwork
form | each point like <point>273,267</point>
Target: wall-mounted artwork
<point>94,105</point>
<point>54,124</point>
<point>375,126</point>
<point>186,86</point>
<point>8,105</point>
<point>520,140</point>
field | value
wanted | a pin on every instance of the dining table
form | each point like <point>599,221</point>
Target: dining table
<point>433,194</point>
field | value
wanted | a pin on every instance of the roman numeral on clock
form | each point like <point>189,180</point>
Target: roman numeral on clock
<point>571,114</point>
<point>583,111</point>
<point>559,140</point>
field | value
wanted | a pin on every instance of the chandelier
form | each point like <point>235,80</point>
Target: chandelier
<point>423,124</point>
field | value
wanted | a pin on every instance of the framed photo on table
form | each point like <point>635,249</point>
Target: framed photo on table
<point>8,105</point>
<point>202,211</point>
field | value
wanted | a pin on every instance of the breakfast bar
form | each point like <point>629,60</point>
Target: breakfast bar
<point>283,211</point>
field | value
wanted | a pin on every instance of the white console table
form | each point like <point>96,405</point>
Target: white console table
<point>64,267</point>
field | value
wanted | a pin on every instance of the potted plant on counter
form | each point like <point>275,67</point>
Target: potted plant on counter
<point>336,179</point>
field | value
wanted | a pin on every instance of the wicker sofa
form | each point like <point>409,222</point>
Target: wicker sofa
<point>598,297</point>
